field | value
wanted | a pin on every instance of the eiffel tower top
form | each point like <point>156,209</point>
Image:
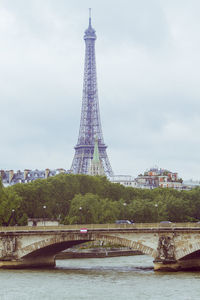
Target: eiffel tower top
<point>90,32</point>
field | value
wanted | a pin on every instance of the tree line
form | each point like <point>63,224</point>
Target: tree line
<point>83,199</point>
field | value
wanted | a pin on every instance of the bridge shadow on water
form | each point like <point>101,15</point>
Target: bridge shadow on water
<point>110,266</point>
<point>141,263</point>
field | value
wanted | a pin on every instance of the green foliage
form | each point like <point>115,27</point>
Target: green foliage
<point>85,208</point>
<point>82,199</point>
<point>10,203</point>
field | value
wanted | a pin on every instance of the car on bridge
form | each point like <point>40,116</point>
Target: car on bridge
<point>123,222</point>
<point>165,222</point>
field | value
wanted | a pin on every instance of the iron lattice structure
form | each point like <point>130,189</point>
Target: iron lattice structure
<point>90,124</point>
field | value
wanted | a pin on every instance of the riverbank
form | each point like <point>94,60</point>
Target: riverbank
<point>96,253</point>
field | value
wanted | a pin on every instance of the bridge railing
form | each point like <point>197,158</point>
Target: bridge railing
<point>102,227</point>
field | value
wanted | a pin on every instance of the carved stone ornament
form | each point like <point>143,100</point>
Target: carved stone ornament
<point>165,250</point>
<point>8,246</point>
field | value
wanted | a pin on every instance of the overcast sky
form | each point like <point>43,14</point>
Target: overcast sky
<point>148,71</point>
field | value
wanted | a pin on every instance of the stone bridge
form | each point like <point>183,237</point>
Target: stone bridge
<point>172,246</point>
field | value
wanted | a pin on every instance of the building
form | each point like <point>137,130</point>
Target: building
<point>42,222</point>
<point>152,178</point>
<point>96,167</point>
<point>10,177</point>
<point>90,124</point>
<point>155,177</point>
<point>126,180</point>
<point>190,184</point>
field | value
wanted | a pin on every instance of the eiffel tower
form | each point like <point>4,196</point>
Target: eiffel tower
<point>90,124</point>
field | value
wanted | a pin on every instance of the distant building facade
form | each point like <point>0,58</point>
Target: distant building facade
<point>190,184</point>
<point>10,177</point>
<point>42,222</point>
<point>126,180</point>
<point>155,177</point>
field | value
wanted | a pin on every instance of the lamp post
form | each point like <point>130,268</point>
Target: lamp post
<point>12,216</point>
<point>44,213</point>
<point>124,210</point>
<point>80,211</point>
<point>156,206</point>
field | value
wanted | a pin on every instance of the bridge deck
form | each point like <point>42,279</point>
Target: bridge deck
<point>107,227</point>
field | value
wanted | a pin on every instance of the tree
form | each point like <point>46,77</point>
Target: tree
<point>94,199</point>
<point>84,209</point>
<point>9,204</point>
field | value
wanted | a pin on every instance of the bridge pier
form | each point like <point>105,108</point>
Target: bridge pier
<point>30,262</point>
<point>165,266</point>
<point>179,265</point>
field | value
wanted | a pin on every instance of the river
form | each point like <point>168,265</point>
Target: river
<point>118,278</point>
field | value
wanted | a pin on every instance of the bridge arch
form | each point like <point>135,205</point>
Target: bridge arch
<point>126,243</point>
<point>50,246</point>
<point>187,249</point>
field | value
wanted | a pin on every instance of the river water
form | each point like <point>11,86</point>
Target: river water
<point>118,278</point>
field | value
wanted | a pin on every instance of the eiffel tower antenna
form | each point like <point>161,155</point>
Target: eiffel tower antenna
<point>90,124</point>
<point>90,18</point>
